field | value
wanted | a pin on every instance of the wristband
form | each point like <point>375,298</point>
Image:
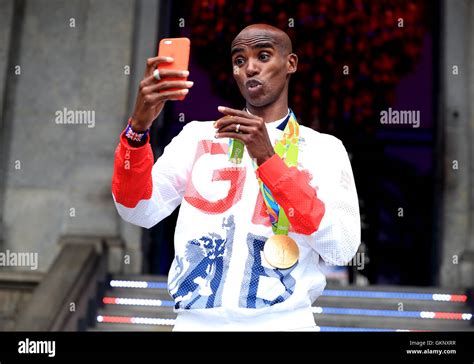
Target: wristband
<point>135,136</point>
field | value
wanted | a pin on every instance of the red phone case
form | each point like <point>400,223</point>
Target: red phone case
<point>179,49</point>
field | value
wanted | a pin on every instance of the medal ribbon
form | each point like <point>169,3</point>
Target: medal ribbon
<point>287,149</point>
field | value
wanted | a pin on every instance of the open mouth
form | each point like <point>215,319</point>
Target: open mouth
<point>253,84</point>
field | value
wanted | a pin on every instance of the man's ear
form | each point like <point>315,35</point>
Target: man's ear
<point>292,63</point>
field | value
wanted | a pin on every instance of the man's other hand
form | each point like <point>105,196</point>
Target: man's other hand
<point>153,93</point>
<point>251,131</point>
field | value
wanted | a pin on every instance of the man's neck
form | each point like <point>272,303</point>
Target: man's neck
<point>270,113</point>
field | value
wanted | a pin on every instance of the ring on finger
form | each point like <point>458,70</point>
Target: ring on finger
<point>237,128</point>
<point>156,74</point>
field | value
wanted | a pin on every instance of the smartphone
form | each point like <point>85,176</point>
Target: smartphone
<point>179,49</point>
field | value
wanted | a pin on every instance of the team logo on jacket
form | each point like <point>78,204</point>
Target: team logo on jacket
<point>226,179</point>
<point>263,285</point>
<point>201,272</point>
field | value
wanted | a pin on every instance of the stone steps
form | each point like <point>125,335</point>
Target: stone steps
<point>339,308</point>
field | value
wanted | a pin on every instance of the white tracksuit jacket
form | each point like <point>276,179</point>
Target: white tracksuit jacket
<point>219,278</point>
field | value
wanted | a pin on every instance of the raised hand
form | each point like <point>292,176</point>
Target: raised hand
<point>248,128</point>
<point>154,93</point>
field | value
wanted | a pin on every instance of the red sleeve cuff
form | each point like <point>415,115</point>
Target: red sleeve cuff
<point>291,190</point>
<point>131,181</point>
<point>271,170</point>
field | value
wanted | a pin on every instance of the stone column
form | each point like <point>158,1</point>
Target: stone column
<point>6,25</point>
<point>456,118</point>
<point>73,58</point>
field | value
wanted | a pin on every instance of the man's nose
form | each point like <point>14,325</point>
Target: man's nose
<point>252,68</point>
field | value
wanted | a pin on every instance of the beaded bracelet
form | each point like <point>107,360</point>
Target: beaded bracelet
<point>135,136</point>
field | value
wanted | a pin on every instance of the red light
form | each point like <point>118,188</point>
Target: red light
<point>458,297</point>
<point>117,319</point>
<point>448,315</point>
<point>109,300</point>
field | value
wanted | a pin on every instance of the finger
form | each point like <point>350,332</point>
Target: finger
<point>228,120</point>
<point>232,128</point>
<point>147,81</point>
<point>166,85</point>
<point>241,137</point>
<point>157,97</point>
<point>173,73</point>
<point>150,80</point>
<point>221,121</point>
<point>151,63</point>
<point>233,112</point>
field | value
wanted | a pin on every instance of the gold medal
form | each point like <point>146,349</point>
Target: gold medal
<point>281,251</point>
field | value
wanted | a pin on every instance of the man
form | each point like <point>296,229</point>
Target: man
<point>250,232</point>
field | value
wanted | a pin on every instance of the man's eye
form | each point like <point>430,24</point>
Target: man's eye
<point>264,57</point>
<point>239,61</point>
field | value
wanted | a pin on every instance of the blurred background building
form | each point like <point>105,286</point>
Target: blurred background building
<point>357,60</point>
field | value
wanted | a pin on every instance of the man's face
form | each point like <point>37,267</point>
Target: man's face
<point>260,67</point>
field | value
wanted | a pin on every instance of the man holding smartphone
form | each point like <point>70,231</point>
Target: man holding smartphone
<point>262,197</point>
